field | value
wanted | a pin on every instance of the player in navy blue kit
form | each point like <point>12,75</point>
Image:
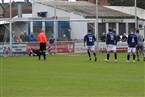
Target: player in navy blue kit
<point>132,43</point>
<point>111,42</point>
<point>89,40</point>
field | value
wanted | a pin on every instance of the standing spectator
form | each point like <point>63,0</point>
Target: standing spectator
<point>22,36</point>
<point>32,37</point>
<point>103,37</point>
<point>42,43</point>
<point>111,42</point>
<point>140,45</point>
<point>19,40</point>
<point>89,39</point>
<point>118,37</point>
<point>124,37</point>
<point>132,42</point>
<point>25,36</point>
<point>14,37</point>
<point>52,39</point>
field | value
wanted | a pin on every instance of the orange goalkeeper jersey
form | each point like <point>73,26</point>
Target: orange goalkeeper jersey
<point>42,38</point>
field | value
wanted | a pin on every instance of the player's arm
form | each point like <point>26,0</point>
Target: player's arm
<point>84,41</point>
<point>115,39</point>
<point>107,39</point>
<point>94,38</point>
<point>128,39</point>
<point>136,41</point>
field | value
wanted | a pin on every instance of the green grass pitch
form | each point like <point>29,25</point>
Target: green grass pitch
<point>71,76</point>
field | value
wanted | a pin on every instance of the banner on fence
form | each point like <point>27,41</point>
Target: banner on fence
<point>59,47</point>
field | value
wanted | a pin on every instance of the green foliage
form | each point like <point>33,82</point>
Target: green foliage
<point>71,76</point>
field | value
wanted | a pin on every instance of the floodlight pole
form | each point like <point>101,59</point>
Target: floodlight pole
<point>96,25</point>
<point>135,4</point>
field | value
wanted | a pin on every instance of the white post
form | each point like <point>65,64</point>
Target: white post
<point>96,25</point>
<point>55,26</point>
<point>10,25</point>
<point>135,4</point>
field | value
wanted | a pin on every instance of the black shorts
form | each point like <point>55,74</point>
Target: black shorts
<point>42,46</point>
<point>140,47</point>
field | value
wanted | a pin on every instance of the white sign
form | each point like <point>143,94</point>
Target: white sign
<point>19,48</point>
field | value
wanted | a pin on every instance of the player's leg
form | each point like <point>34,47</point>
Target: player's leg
<point>108,48</point>
<point>40,49</point>
<point>137,53</point>
<point>142,52</point>
<point>134,53</point>
<point>94,52</point>
<point>115,53</point>
<point>88,52</point>
<point>43,52</point>
<point>128,53</point>
<point>39,56</point>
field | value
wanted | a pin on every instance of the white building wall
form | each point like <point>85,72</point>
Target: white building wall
<point>131,10</point>
<point>78,29</point>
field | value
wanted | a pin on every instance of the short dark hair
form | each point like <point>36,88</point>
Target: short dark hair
<point>89,30</point>
<point>110,30</point>
<point>137,31</point>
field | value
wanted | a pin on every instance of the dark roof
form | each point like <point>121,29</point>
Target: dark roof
<point>2,10</point>
<point>86,9</point>
<point>26,8</point>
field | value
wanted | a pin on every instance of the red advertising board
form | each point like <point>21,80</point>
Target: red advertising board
<point>59,47</point>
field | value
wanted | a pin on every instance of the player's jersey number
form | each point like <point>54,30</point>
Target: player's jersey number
<point>90,39</point>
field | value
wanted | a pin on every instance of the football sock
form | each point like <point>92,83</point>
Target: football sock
<point>115,56</point>
<point>137,55</point>
<point>39,55</point>
<point>108,56</point>
<point>44,55</point>
<point>88,53</point>
<point>94,55</point>
<point>133,56</point>
<point>128,57</point>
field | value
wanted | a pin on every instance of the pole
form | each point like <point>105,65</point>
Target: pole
<point>10,25</point>
<point>135,4</point>
<point>55,27</point>
<point>96,24</point>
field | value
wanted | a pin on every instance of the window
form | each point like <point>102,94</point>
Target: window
<point>42,14</point>
<point>122,28</point>
<point>101,29</point>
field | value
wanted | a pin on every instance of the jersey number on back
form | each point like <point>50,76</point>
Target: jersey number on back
<point>90,39</point>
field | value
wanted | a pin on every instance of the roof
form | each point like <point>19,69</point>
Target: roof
<point>26,7</point>
<point>85,9</point>
<point>2,11</point>
<point>129,10</point>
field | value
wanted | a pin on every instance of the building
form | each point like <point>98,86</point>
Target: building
<point>140,13</point>
<point>2,11</point>
<point>120,22</point>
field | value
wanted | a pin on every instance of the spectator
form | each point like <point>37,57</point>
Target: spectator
<point>25,36</point>
<point>19,40</point>
<point>14,37</point>
<point>118,37</point>
<point>22,36</point>
<point>103,37</point>
<point>64,38</point>
<point>124,37</point>
<point>32,37</point>
<point>52,39</point>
